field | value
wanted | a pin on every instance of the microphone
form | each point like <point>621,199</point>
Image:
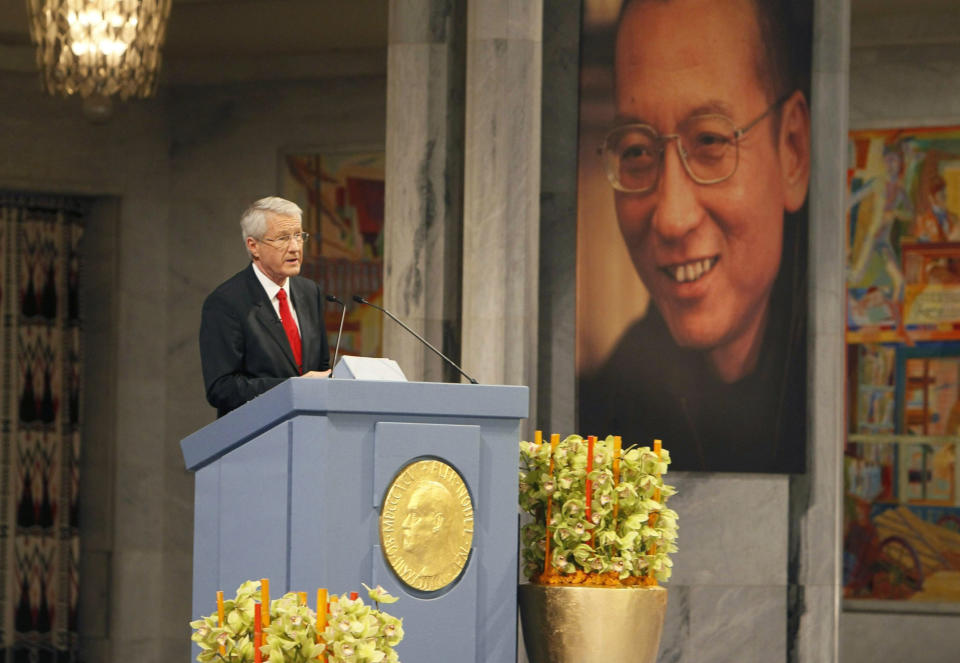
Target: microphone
<point>333,299</point>
<point>361,300</point>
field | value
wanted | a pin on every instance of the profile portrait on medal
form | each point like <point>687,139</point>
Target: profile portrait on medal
<point>427,527</point>
<point>702,170</point>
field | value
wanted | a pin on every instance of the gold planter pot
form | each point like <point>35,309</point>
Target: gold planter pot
<point>565,624</point>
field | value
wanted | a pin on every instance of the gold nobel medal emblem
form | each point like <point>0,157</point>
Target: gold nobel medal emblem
<point>426,525</point>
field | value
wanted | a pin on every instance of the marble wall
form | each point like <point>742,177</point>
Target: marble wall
<point>99,315</point>
<point>558,205</point>
<point>424,192</point>
<point>44,148</point>
<point>501,190</point>
<point>171,176</point>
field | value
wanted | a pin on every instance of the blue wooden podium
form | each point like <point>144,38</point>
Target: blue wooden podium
<point>290,486</point>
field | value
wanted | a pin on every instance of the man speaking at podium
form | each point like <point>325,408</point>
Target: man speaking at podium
<point>265,323</point>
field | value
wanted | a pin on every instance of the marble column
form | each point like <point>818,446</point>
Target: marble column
<point>556,381</point>
<point>816,497</point>
<point>98,450</point>
<point>424,157</point>
<point>502,191</point>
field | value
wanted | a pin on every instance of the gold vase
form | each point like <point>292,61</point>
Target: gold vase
<point>566,624</point>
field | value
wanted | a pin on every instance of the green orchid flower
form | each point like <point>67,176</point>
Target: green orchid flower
<point>380,595</point>
<point>573,507</point>
<point>618,532</point>
<point>367,652</point>
<point>391,629</point>
<point>355,632</point>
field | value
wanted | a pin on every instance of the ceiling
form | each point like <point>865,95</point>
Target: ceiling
<point>881,7</point>
<point>210,41</point>
<point>254,27</point>
<point>219,40</point>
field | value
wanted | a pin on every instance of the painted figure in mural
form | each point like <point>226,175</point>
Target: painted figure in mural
<point>265,323</point>
<point>946,222</point>
<point>710,162</point>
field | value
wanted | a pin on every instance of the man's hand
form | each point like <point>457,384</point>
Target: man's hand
<point>316,374</point>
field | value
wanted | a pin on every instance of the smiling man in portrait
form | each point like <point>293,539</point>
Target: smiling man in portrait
<point>709,161</point>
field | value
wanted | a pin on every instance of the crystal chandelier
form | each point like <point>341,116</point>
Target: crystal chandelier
<point>99,48</point>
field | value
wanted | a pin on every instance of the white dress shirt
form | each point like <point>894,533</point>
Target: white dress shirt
<point>272,290</point>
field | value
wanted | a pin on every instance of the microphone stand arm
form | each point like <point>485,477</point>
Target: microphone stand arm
<point>422,339</point>
<point>333,299</point>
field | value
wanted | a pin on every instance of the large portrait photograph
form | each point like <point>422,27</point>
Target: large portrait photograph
<point>693,183</point>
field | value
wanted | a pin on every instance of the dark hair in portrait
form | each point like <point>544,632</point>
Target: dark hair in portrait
<point>697,334</point>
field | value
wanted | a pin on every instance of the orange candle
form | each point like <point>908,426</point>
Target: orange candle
<point>257,634</point>
<point>554,441</point>
<point>321,618</point>
<point>538,437</point>
<point>220,619</point>
<point>657,448</point>
<point>617,448</point>
<point>303,597</point>
<point>321,610</point>
<point>588,488</point>
<point>265,600</point>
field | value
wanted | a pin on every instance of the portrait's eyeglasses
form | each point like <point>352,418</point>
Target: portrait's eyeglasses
<point>284,240</point>
<point>708,145</point>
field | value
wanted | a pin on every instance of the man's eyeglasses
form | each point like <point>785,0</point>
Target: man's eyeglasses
<point>708,145</point>
<point>283,241</point>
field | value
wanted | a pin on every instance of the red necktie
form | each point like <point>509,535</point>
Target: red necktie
<point>289,326</point>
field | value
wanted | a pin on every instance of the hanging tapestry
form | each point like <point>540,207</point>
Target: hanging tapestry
<point>39,426</point>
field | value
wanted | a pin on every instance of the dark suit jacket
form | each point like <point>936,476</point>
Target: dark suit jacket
<point>243,348</point>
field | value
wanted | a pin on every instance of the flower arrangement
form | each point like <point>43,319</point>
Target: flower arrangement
<point>599,512</point>
<point>346,631</point>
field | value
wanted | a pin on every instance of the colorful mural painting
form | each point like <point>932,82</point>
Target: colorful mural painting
<point>342,198</point>
<point>902,508</point>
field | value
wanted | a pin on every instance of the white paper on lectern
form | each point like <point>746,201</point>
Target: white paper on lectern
<point>368,368</point>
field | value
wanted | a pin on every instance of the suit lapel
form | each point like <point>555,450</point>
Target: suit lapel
<point>307,317</point>
<point>268,318</point>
